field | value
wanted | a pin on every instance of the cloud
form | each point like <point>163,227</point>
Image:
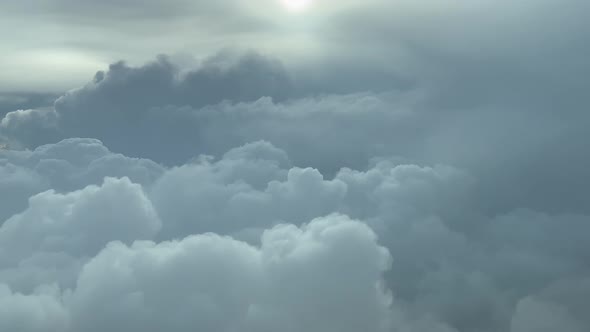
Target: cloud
<point>29,313</point>
<point>78,225</point>
<point>17,185</point>
<point>409,166</point>
<point>169,113</point>
<point>247,214</point>
<point>532,315</point>
<point>231,185</point>
<point>65,166</point>
<point>450,48</point>
<point>558,306</point>
<point>18,101</point>
<point>33,126</point>
<point>323,276</point>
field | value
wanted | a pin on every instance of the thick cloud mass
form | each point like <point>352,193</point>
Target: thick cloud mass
<point>324,276</point>
<point>18,101</point>
<point>68,256</point>
<point>421,166</point>
<point>159,111</point>
<point>68,165</point>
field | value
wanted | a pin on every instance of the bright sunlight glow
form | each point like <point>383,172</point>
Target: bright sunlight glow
<point>296,5</point>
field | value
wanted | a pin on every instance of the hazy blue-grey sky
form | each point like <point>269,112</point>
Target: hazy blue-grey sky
<point>260,165</point>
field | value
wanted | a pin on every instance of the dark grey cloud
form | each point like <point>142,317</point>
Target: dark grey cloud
<point>160,112</point>
<point>530,53</point>
<point>10,102</point>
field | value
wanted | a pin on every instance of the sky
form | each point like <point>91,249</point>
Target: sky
<point>293,165</point>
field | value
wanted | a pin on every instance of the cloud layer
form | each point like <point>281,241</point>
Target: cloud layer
<point>393,176</point>
<point>126,245</point>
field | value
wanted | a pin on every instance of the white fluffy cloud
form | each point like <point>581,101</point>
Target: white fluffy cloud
<point>68,165</point>
<point>58,230</point>
<point>324,276</point>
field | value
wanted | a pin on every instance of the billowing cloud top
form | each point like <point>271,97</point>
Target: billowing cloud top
<point>365,166</point>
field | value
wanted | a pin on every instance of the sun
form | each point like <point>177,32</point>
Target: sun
<point>296,5</point>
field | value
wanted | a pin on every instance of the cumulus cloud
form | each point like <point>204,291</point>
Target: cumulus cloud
<point>161,112</point>
<point>78,225</point>
<point>65,166</point>
<point>324,276</point>
<point>561,305</point>
<point>453,268</point>
<point>28,313</point>
<point>18,101</point>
